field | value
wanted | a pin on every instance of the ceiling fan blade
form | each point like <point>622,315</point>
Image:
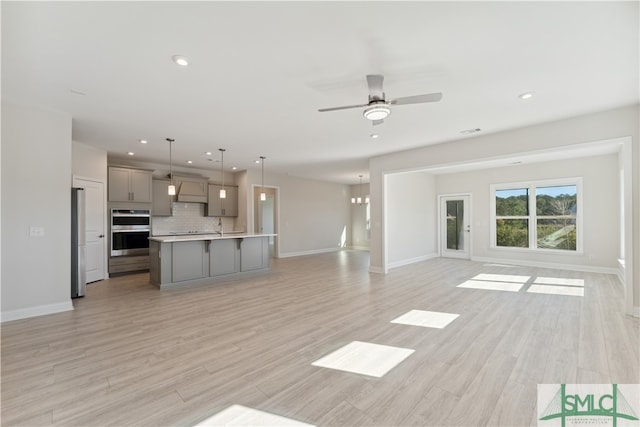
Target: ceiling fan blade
<point>377,122</point>
<point>346,107</point>
<point>416,99</point>
<point>375,86</point>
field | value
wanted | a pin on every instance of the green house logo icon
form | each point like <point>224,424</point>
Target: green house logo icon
<point>582,407</point>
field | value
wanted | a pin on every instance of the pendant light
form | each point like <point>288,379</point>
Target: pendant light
<point>223,192</point>
<point>263,195</point>
<point>171,189</point>
<point>358,200</point>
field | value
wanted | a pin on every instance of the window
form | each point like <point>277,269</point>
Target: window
<point>540,215</point>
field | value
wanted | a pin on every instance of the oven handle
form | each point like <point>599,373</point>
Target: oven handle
<point>130,231</point>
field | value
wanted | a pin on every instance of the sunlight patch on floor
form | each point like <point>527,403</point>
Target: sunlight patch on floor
<point>427,319</point>
<point>558,281</point>
<point>491,286</point>
<point>557,286</point>
<point>238,415</point>
<point>496,282</point>
<point>364,358</point>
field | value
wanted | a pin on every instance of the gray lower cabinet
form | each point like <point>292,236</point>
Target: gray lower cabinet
<point>254,254</point>
<point>188,260</point>
<point>194,261</point>
<point>224,257</point>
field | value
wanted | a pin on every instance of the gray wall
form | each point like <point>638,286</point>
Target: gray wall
<point>410,218</point>
<point>89,162</point>
<point>601,232</point>
<point>314,215</point>
<point>36,191</point>
<point>358,227</point>
<point>601,126</point>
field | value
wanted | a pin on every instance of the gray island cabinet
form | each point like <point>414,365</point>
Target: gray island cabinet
<point>197,259</point>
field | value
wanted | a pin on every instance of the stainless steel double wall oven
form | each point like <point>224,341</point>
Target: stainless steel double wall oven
<point>130,229</point>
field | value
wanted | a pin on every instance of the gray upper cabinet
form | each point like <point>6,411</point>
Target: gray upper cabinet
<point>222,207</point>
<point>161,205</point>
<point>129,185</point>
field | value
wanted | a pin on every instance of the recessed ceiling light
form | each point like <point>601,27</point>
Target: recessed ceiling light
<point>234,168</point>
<point>180,60</point>
<point>143,141</point>
<point>131,153</point>
<point>189,161</point>
<point>374,135</point>
<point>526,95</point>
<point>257,162</point>
<point>208,153</point>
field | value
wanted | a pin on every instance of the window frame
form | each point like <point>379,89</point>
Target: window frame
<point>532,218</point>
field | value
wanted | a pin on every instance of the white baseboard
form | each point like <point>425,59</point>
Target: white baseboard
<point>404,262</point>
<point>311,252</point>
<point>40,310</point>
<point>570,267</point>
<point>376,270</point>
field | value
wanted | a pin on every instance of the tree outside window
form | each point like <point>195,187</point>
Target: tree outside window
<point>537,216</point>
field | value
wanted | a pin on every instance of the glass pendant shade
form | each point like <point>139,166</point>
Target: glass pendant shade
<point>263,196</point>
<point>353,200</point>
<point>171,189</point>
<point>223,192</point>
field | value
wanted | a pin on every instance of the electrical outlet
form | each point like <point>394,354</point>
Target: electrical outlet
<point>36,231</point>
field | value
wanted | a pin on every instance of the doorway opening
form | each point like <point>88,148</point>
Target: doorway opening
<point>266,216</point>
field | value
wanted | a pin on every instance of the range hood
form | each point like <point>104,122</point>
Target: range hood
<point>191,191</point>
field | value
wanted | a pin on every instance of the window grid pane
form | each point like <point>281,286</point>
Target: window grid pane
<point>552,211</point>
<point>512,233</point>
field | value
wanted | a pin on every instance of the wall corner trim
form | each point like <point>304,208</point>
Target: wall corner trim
<point>40,310</point>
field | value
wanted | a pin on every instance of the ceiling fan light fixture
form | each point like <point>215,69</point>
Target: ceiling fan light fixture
<point>377,112</point>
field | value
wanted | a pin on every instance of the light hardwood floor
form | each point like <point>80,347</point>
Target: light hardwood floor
<point>130,354</point>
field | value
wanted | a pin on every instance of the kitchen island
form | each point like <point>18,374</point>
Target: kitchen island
<point>180,260</point>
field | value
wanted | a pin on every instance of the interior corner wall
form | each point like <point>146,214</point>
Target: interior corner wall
<point>359,238</point>
<point>600,214</point>
<point>36,183</point>
<point>599,126</point>
<point>314,216</point>
<point>411,224</point>
<point>88,162</point>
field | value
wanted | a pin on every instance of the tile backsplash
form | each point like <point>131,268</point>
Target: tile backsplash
<point>188,217</point>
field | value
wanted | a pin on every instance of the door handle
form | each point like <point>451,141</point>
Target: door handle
<point>101,236</point>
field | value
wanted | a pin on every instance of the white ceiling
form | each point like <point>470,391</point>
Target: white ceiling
<point>260,70</point>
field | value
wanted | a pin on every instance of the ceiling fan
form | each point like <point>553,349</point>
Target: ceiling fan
<point>378,108</point>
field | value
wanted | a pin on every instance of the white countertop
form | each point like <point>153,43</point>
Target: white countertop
<point>213,236</point>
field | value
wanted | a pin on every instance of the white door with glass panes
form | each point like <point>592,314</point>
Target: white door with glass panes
<point>455,226</point>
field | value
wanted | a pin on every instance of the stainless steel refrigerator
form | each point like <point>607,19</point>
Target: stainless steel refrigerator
<point>78,272</point>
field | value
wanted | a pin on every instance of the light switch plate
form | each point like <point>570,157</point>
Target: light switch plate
<point>36,231</point>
